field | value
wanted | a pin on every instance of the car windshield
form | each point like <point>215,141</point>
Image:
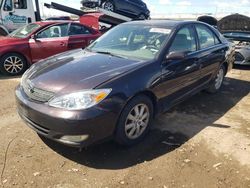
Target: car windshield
<point>237,34</point>
<point>25,31</point>
<point>132,41</point>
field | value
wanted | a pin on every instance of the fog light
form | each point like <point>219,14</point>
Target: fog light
<point>78,138</point>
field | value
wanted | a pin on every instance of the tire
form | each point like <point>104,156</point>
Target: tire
<point>218,81</point>
<point>3,33</point>
<point>109,5</point>
<point>130,129</point>
<point>13,64</point>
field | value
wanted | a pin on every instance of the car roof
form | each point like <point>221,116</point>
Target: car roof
<point>162,23</point>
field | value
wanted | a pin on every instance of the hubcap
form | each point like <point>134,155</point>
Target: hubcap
<point>219,79</point>
<point>13,64</point>
<point>109,6</point>
<point>137,121</point>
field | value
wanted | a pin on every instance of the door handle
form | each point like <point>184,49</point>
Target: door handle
<point>191,67</point>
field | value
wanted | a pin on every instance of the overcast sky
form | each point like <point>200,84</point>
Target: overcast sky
<point>169,7</point>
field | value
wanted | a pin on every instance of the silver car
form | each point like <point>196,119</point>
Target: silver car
<point>242,48</point>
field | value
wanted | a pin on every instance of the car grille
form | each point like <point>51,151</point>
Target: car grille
<point>36,93</point>
<point>239,57</point>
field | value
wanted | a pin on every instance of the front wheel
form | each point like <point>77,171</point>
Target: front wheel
<point>217,82</point>
<point>13,64</point>
<point>134,121</point>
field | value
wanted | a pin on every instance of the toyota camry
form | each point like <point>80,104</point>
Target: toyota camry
<point>116,86</point>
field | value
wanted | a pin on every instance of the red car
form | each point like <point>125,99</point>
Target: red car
<point>40,40</point>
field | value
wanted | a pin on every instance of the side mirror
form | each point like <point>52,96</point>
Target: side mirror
<point>34,36</point>
<point>176,55</point>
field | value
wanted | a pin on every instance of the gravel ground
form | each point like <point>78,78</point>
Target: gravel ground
<point>202,142</point>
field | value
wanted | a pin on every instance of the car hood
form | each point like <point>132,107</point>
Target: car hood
<point>8,40</point>
<point>77,70</point>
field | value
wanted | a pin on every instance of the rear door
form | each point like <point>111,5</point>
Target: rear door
<point>212,52</point>
<point>180,77</point>
<point>80,36</point>
<point>50,41</point>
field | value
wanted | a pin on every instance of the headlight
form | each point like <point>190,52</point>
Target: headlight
<point>80,100</point>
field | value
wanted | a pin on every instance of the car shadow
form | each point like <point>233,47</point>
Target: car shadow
<point>3,77</point>
<point>170,130</point>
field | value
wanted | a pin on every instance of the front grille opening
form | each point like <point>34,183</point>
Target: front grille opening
<point>37,94</point>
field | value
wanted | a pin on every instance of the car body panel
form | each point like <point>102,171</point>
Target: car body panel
<point>89,70</point>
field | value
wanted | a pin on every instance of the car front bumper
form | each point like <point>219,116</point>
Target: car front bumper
<point>74,128</point>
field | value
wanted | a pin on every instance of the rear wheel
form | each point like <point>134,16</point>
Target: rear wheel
<point>134,121</point>
<point>13,64</point>
<point>109,5</point>
<point>217,82</point>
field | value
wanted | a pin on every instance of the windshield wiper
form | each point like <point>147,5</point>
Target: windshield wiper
<point>111,54</point>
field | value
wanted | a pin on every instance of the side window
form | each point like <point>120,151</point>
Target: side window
<point>184,41</point>
<point>206,37</point>
<point>76,29</point>
<point>54,31</point>
<point>20,4</point>
<point>8,5</point>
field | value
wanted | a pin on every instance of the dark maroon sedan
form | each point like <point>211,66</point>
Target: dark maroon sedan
<point>118,84</point>
<point>40,40</point>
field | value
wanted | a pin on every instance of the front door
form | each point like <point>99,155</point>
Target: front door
<point>180,77</point>
<point>49,42</point>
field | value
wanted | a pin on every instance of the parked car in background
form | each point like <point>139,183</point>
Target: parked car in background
<point>115,87</point>
<point>242,42</point>
<point>136,9</point>
<point>40,40</point>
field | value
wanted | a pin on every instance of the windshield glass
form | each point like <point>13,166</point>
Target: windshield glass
<point>25,31</point>
<point>132,41</point>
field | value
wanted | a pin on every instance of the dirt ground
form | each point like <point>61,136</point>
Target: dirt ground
<point>203,142</point>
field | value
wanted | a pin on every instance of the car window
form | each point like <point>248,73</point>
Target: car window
<point>54,31</point>
<point>76,29</point>
<point>25,31</point>
<point>20,4</point>
<point>206,37</point>
<point>8,5</point>
<point>184,41</point>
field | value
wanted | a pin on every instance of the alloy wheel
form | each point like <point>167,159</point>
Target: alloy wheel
<point>13,64</point>
<point>137,121</point>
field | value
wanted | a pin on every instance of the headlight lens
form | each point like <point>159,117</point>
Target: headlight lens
<point>80,100</point>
